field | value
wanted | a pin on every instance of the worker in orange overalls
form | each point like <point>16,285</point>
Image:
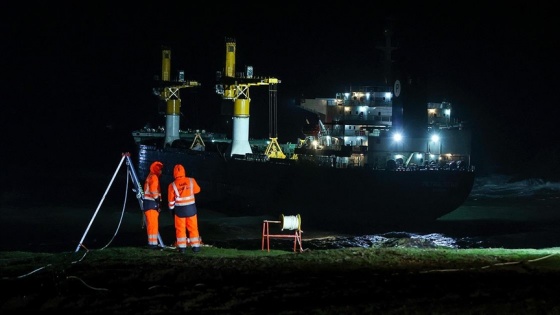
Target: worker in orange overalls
<point>152,202</point>
<point>182,204</point>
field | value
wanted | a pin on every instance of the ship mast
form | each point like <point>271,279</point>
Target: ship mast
<point>235,87</point>
<point>387,55</point>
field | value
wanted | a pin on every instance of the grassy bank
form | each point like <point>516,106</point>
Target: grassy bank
<point>341,281</point>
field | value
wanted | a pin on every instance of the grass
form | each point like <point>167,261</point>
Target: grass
<point>20,264</point>
<point>411,259</point>
<point>337,281</point>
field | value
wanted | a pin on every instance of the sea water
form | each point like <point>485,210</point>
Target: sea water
<point>500,212</point>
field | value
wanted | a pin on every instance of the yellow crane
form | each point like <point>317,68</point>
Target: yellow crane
<point>235,87</point>
<point>169,91</point>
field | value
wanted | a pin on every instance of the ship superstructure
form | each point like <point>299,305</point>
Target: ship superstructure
<point>357,131</point>
<point>362,127</point>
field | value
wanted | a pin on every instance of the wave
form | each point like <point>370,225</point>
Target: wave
<point>507,186</point>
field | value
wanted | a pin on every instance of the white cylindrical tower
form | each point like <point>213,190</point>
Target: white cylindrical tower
<point>240,141</point>
<point>172,120</point>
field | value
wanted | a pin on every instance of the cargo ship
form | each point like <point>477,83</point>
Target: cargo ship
<point>355,169</point>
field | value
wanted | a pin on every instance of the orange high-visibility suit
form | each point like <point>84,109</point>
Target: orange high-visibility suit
<point>151,203</point>
<point>182,203</point>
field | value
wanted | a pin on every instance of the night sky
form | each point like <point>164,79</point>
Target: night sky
<point>78,78</point>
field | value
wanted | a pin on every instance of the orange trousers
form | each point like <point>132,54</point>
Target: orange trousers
<point>152,226</point>
<point>186,231</point>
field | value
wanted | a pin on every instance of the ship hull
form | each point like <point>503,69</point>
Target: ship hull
<point>352,200</point>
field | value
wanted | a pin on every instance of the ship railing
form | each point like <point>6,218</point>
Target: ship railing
<point>372,102</point>
<point>256,157</point>
<point>324,161</point>
<point>359,149</point>
<point>451,166</point>
<point>436,168</point>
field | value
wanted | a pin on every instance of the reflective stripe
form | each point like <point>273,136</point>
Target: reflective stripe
<point>151,194</point>
<point>182,242</point>
<point>194,240</point>
<point>182,201</point>
<point>152,239</point>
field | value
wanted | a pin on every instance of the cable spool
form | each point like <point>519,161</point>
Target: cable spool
<point>291,222</point>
